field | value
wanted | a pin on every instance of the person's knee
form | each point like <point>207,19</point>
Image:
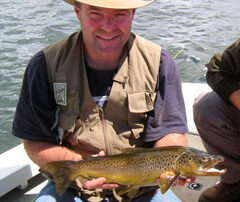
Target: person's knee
<point>45,198</point>
<point>200,107</point>
<point>48,193</point>
<point>206,105</point>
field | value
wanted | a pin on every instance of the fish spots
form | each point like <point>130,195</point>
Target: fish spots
<point>139,167</point>
<point>185,159</point>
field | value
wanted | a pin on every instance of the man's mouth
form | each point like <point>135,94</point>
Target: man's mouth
<point>107,38</point>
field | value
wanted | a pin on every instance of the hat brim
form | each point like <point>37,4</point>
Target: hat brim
<point>115,4</point>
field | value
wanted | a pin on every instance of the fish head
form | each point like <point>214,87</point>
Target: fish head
<point>193,162</point>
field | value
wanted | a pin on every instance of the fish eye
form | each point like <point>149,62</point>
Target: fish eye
<point>204,159</point>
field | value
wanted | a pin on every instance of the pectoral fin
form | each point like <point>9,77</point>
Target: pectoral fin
<point>131,191</point>
<point>123,190</point>
<point>167,179</point>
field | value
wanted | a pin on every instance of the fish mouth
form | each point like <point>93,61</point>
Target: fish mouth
<point>214,170</point>
<point>210,169</point>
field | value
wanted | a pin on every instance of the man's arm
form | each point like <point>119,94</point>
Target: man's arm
<point>168,122</point>
<point>44,152</point>
<point>172,139</point>
<point>169,116</point>
<point>223,74</point>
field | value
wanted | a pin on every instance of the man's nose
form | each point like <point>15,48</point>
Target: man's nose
<point>107,24</point>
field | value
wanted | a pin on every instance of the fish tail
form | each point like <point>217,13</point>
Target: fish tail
<point>60,172</point>
<point>62,183</point>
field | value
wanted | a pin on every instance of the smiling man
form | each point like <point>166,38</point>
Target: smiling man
<point>105,33</point>
<point>103,89</point>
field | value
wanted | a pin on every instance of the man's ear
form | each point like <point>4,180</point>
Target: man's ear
<point>77,11</point>
<point>133,13</point>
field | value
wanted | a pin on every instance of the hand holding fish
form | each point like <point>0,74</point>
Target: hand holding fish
<point>182,181</point>
<point>174,139</point>
<point>98,183</point>
<point>101,181</point>
<point>136,167</point>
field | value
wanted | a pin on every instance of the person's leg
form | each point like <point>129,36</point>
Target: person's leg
<point>49,194</point>
<point>169,196</point>
<point>218,124</point>
<point>156,196</point>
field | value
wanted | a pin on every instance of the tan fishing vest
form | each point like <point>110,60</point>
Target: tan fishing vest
<point>87,127</point>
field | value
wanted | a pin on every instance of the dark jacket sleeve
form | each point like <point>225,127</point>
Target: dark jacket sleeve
<point>223,74</point>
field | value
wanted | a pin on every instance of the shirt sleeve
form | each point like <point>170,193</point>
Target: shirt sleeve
<point>169,114</point>
<point>223,74</point>
<point>36,109</point>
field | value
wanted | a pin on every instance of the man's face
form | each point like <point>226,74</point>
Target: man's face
<point>104,30</point>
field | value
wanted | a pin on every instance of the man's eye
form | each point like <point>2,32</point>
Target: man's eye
<point>94,13</point>
<point>121,14</point>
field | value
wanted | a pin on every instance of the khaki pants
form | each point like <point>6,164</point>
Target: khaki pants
<point>218,124</point>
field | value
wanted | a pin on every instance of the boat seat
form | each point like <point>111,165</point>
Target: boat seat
<point>15,169</point>
<point>190,92</point>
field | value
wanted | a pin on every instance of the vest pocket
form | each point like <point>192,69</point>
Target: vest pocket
<point>139,104</point>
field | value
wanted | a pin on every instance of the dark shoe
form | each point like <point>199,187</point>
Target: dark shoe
<point>221,192</point>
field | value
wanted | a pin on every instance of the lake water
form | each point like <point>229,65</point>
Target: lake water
<point>197,28</point>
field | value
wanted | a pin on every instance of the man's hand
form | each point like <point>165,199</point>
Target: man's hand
<point>182,181</point>
<point>235,99</point>
<point>98,183</point>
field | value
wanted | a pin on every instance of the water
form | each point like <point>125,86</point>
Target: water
<point>199,28</point>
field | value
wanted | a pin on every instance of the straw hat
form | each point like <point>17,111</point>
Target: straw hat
<point>115,4</point>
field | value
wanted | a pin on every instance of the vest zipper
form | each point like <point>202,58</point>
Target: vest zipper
<point>101,112</point>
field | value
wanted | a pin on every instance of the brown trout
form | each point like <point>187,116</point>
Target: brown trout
<point>137,167</point>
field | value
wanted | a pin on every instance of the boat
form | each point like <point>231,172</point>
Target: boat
<point>21,181</point>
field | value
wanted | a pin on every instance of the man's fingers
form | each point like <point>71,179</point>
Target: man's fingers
<point>101,153</point>
<point>95,183</point>
<point>183,181</point>
<point>109,186</point>
<point>98,183</point>
<point>190,179</point>
<point>180,182</point>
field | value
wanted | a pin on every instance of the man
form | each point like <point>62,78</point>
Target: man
<point>217,118</point>
<point>97,92</point>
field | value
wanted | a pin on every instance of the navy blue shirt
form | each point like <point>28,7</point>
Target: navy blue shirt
<point>35,118</point>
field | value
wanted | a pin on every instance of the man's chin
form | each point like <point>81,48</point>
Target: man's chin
<point>109,49</point>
